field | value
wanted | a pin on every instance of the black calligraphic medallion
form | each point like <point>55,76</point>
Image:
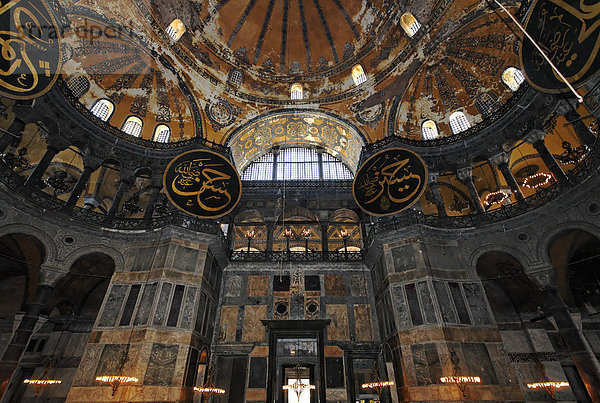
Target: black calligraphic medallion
<point>569,34</point>
<point>202,183</point>
<point>30,57</point>
<point>390,181</point>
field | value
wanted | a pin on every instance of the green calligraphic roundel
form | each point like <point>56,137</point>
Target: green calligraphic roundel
<point>202,183</point>
<point>390,181</point>
<point>568,31</point>
<point>30,60</point>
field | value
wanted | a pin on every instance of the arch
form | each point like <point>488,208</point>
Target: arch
<point>513,78</point>
<point>358,75</point>
<point>344,215</point>
<point>429,130</point>
<point>113,253</point>
<point>296,91</point>
<point>44,238</point>
<point>458,122</point>
<point>410,24</point>
<point>250,231</point>
<point>523,258</point>
<point>133,126</point>
<point>175,30</point>
<point>162,134</point>
<point>249,216</point>
<point>103,109</point>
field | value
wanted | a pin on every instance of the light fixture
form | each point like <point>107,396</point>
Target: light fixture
<point>250,234</point>
<point>549,386</point>
<point>537,180</point>
<point>40,384</point>
<point>298,387</point>
<point>572,155</point>
<point>497,197</point>
<point>377,384</point>
<point>458,205</point>
<point>458,379</point>
<point>116,380</point>
<point>208,389</point>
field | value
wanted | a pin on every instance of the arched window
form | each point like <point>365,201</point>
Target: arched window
<point>78,85</point>
<point>175,30</point>
<point>296,91</point>
<point>133,126</point>
<point>458,122</point>
<point>102,109</point>
<point>513,78</point>
<point>236,77</point>
<point>296,164</point>
<point>429,130</point>
<point>409,24</point>
<point>162,134</point>
<point>486,103</point>
<point>358,74</point>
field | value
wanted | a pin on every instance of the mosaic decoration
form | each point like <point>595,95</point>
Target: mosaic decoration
<point>221,113</point>
<point>390,181</point>
<point>202,183</point>
<point>568,33</point>
<point>371,116</point>
<point>304,129</point>
<point>31,55</point>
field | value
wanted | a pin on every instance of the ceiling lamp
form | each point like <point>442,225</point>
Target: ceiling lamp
<point>548,386</point>
<point>461,382</point>
<point>537,180</point>
<point>298,387</point>
<point>116,380</point>
<point>497,197</point>
<point>40,384</point>
<point>208,389</point>
<point>572,155</point>
<point>377,383</point>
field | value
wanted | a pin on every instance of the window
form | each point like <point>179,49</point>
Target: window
<point>102,109</point>
<point>296,91</point>
<point>486,104</point>
<point>358,75</point>
<point>236,77</point>
<point>458,122</point>
<point>175,30</point>
<point>296,164</point>
<point>162,134</point>
<point>513,78</point>
<point>429,130</point>
<point>409,24</point>
<point>78,85</point>
<point>133,126</point>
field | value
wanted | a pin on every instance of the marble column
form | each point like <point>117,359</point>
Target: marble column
<point>156,188</point>
<point>42,165</point>
<point>536,139</point>
<point>89,167</point>
<point>501,162</point>
<point>584,134</point>
<point>49,277</point>
<point>124,185</point>
<point>465,175</point>
<point>270,225</point>
<point>437,196</point>
<point>14,131</point>
<point>324,238</point>
<point>579,349</point>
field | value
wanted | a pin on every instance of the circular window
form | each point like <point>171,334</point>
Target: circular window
<point>522,237</point>
<point>312,307</point>
<point>281,308</point>
<point>593,208</point>
<point>69,240</point>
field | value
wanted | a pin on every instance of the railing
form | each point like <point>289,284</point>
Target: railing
<point>294,256</point>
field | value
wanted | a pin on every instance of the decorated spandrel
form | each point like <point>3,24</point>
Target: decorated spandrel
<point>202,183</point>
<point>390,181</point>
<point>569,33</point>
<point>30,57</point>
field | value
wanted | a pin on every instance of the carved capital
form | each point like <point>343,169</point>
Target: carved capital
<point>465,174</point>
<point>50,275</point>
<point>544,278</point>
<point>499,159</point>
<point>432,178</point>
<point>534,136</point>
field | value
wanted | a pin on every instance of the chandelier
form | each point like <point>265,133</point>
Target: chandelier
<point>377,383</point>
<point>298,387</point>
<point>537,180</point>
<point>572,155</point>
<point>208,389</point>
<point>497,197</point>
<point>116,380</point>
<point>458,379</point>
<point>546,384</point>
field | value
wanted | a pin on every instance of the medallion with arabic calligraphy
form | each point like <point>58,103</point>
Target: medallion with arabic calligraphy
<point>202,183</point>
<point>569,34</point>
<point>30,57</point>
<point>390,181</point>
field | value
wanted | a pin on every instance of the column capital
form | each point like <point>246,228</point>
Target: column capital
<point>563,108</point>
<point>91,162</point>
<point>465,173</point>
<point>50,275</point>
<point>534,136</point>
<point>499,159</point>
<point>544,277</point>
<point>432,178</point>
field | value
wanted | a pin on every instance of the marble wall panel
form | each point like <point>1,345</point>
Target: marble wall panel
<point>186,259</point>
<point>233,286</point>
<point>334,286</point>
<point>111,359</point>
<point>188,311</point>
<point>426,302</point>
<point>363,322</point>
<point>338,328</point>
<point>227,324</point>
<point>145,305</point>
<point>113,304</point>
<point>477,303</point>
<point>258,373</point>
<point>358,284</point>
<point>86,371</point>
<point>258,286</point>
<point>479,362</point>
<point>404,258</point>
<point>161,306</point>
<point>253,329</point>
<point>399,303</point>
<point>161,365</point>
<point>444,301</point>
